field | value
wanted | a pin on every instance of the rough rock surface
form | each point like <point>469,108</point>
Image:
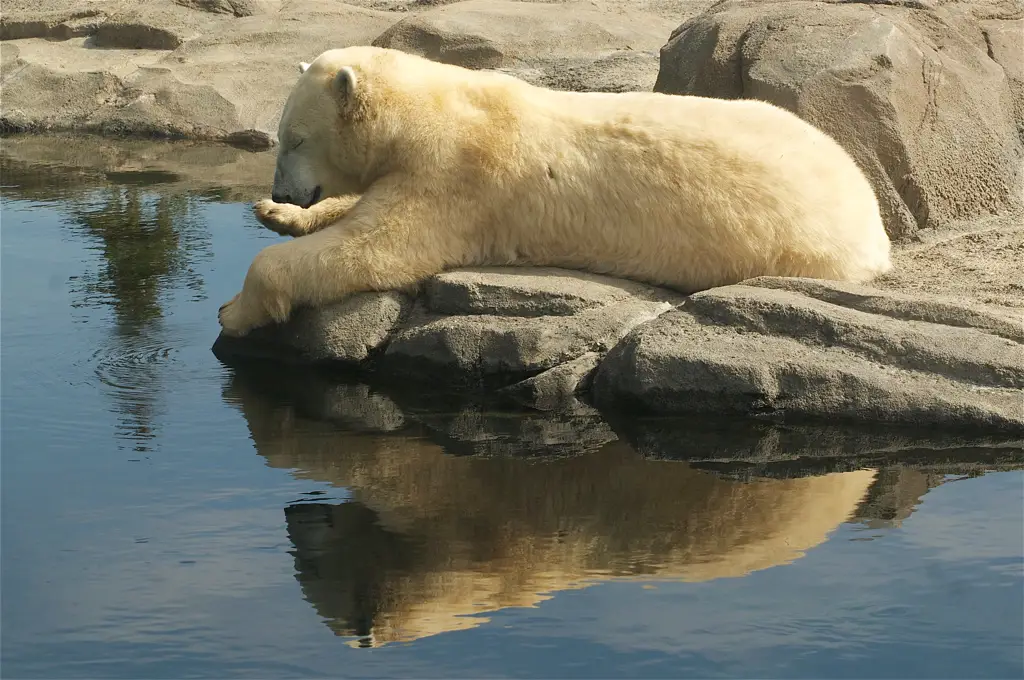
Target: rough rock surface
<point>221,70</point>
<point>980,264</point>
<point>345,333</point>
<point>772,348</point>
<point>556,45</point>
<point>486,326</point>
<point>491,324</point>
<point>925,96</point>
<point>201,70</point>
<point>558,388</point>
<point>777,347</point>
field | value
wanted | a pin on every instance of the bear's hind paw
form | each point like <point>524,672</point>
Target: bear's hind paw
<point>231,318</point>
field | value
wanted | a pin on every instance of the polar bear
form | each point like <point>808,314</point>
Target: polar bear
<point>393,167</point>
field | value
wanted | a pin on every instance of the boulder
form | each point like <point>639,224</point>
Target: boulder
<point>538,331</point>
<point>776,349</point>
<point>925,96</point>
<point>797,348</point>
<point>497,325</point>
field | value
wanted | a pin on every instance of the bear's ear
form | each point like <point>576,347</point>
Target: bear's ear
<point>303,67</point>
<point>345,82</point>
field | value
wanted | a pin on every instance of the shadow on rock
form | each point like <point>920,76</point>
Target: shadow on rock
<point>431,542</point>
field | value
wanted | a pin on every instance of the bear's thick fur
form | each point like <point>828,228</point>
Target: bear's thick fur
<point>425,166</point>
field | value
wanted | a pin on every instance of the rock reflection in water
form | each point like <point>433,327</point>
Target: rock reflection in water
<point>429,537</point>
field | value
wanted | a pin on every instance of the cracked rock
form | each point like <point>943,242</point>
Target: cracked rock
<point>783,348</point>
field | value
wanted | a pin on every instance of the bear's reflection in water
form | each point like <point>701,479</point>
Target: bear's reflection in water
<point>429,537</point>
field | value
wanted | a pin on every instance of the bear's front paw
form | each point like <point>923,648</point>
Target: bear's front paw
<point>284,218</point>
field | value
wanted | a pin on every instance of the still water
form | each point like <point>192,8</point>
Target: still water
<point>164,515</point>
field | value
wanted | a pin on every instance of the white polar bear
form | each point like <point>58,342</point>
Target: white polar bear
<point>393,168</point>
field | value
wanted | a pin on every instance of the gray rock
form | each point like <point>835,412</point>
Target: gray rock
<point>345,333</point>
<point>783,348</point>
<point>521,338</point>
<point>558,388</point>
<point>527,291</point>
<point>543,329</point>
<point>915,92</point>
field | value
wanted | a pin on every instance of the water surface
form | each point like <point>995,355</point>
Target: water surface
<point>164,515</point>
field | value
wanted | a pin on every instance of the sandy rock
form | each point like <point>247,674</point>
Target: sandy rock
<point>221,70</point>
<point>1003,39</point>
<point>795,348</point>
<point>153,26</point>
<point>913,91</point>
<point>55,24</point>
<point>571,47</point>
<point>979,265</point>
<point>212,70</point>
<point>237,8</point>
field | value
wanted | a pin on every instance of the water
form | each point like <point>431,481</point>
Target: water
<point>166,516</point>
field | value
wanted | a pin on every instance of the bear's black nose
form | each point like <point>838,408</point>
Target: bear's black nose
<point>281,198</point>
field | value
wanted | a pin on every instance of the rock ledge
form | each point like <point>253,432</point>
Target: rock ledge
<point>772,348</point>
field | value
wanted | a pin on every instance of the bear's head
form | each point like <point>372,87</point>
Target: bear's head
<point>333,137</point>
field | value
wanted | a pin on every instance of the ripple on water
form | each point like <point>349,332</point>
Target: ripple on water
<point>140,371</point>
